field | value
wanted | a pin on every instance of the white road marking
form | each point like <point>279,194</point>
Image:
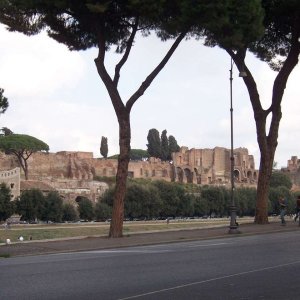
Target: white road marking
<point>207,245</point>
<point>209,280</point>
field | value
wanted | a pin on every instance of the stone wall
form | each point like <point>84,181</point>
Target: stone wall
<point>212,166</point>
<point>12,179</point>
<point>293,171</point>
<point>72,173</point>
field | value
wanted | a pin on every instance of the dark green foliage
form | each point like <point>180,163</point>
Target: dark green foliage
<point>170,194</point>
<point>22,146</point>
<point>69,212</point>
<point>53,208</point>
<point>85,209</point>
<point>3,102</point>
<point>201,207</point>
<point>6,205</point>
<point>108,196</point>
<point>165,153</point>
<point>186,207</point>
<point>245,199</point>
<point>111,180</point>
<point>102,211</point>
<point>154,143</point>
<point>142,201</point>
<point>104,147</point>
<point>173,146</point>
<point>161,147</point>
<point>138,154</point>
<point>282,27</point>
<point>280,179</point>
<point>215,199</point>
<point>31,205</point>
<point>6,131</point>
<point>22,143</point>
<point>233,24</point>
<point>278,192</point>
<point>135,154</point>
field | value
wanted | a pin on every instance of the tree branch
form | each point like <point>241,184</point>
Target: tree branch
<point>126,54</point>
<point>108,82</point>
<point>154,73</point>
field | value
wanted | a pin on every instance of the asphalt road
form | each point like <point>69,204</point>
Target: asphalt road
<point>239,267</point>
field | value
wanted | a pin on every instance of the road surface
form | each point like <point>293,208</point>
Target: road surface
<point>239,267</point>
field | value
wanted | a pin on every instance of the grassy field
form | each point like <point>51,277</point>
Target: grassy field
<point>72,230</point>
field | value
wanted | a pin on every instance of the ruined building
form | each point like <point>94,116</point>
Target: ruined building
<point>73,173</point>
<point>293,170</point>
<point>213,166</point>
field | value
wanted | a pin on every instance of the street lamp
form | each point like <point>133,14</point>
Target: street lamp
<point>233,224</point>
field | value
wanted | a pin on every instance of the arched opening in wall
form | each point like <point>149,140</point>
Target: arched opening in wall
<point>189,175</point>
<point>179,174</point>
<point>159,173</point>
<point>249,175</point>
<point>254,175</point>
<point>236,175</point>
<point>130,174</point>
<point>198,176</point>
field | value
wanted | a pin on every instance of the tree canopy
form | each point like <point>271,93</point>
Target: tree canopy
<point>161,146</point>
<point>104,147</point>
<point>279,46</point>
<point>154,143</point>
<point>6,205</point>
<point>93,23</point>
<point>280,179</point>
<point>22,146</point>
<point>3,102</point>
<point>31,205</point>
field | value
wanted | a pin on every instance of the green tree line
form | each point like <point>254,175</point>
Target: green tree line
<point>146,199</point>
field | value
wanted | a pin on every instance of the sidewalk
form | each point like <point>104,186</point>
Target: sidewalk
<point>148,238</point>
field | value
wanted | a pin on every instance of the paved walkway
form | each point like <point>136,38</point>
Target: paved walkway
<point>147,238</point>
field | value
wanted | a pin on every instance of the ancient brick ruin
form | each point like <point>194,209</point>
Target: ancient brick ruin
<point>212,166</point>
<point>293,171</point>
<point>72,173</point>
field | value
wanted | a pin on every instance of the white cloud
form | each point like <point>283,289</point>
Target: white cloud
<point>57,96</point>
<point>37,66</point>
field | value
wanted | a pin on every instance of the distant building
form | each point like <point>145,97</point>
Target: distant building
<point>12,179</point>
<point>293,170</point>
<point>213,166</point>
<point>72,174</point>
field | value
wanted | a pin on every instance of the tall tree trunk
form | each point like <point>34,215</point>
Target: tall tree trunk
<point>123,114</point>
<point>116,225</point>
<point>265,172</point>
<point>267,140</point>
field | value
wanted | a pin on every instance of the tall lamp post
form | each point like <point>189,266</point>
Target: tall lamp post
<point>233,228</point>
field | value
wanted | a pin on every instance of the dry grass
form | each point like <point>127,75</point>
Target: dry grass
<point>56,231</point>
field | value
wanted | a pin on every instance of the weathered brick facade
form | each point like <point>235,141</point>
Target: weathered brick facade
<point>72,173</point>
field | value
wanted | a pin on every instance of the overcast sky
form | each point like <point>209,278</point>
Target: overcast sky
<point>57,96</point>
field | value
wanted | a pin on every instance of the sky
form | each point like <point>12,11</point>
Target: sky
<point>57,96</point>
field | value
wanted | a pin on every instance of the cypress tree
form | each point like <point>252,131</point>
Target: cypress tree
<point>104,147</point>
<point>154,143</point>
